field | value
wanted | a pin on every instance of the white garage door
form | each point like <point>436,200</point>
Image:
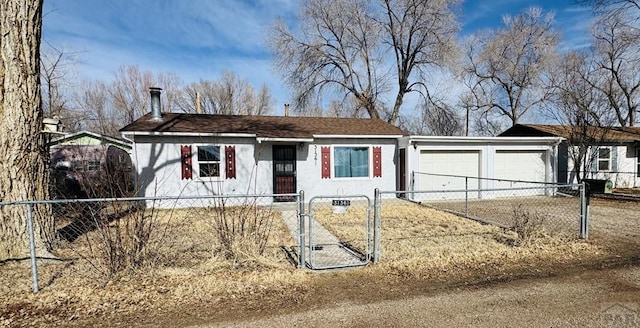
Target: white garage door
<point>460,163</point>
<point>521,165</point>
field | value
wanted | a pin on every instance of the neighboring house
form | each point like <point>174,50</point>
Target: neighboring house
<point>200,154</point>
<point>83,164</point>
<point>611,153</point>
<point>433,163</point>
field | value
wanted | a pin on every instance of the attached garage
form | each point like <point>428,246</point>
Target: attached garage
<point>521,167</point>
<point>524,165</point>
<point>441,163</point>
<point>438,166</point>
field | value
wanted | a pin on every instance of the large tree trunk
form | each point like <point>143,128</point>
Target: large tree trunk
<point>23,170</point>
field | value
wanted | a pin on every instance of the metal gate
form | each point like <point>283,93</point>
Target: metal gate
<point>339,231</point>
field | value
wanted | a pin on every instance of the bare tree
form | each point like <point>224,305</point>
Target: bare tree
<point>23,157</point>
<point>230,95</point>
<point>106,107</point>
<point>202,92</point>
<point>611,6</point>
<point>342,50</point>
<point>263,102</point>
<point>617,47</point>
<point>580,108</point>
<point>56,69</point>
<point>130,92</point>
<point>97,114</point>
<point>436,117</point>
<point>422,34</point>
<point>507,67</point>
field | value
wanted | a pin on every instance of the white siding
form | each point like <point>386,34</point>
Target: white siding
<point>498,157</point>
<point>158,164</point>
<point>624,170</point>
<point>310,169</point>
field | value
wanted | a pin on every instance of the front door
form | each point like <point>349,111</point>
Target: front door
<point>284,172</point>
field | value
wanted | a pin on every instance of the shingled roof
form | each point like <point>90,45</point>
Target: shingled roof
<point>262,126</point>
<point>612,134</point>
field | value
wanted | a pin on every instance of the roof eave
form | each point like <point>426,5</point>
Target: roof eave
<point>275,139</point>
<point>551,140</point>
<point>188,134</point>
<point>356,136</point>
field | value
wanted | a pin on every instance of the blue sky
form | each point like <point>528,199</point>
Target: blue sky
<point>198,39</point>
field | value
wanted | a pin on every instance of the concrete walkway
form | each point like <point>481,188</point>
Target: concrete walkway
<point>322,249</point>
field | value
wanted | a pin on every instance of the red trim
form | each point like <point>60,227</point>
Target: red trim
<point>230,158</point>
<point>185,158</point>
<point>326,162</point>
<point>377,162</point>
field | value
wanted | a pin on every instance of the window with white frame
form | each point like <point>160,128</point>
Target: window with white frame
<point>209,161</point>
<point>351,162</point>
<point>604,159</point>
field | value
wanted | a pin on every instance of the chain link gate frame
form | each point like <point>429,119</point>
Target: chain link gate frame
<point>335,231</point>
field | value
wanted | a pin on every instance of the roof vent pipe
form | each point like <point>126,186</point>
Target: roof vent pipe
<point>286,109</point>
<point>156,113</point>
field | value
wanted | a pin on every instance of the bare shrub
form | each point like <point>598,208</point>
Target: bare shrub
<point>112,236</point>
<point>528,224</point>
<point>242,231</point>
<point>124,234</point>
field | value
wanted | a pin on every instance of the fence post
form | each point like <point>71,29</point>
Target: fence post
<point>466,196</point>
<point>413,183</point>
<point>301,230</point>
<point>587,213</point>
<point>32,248</point>
<point>376,226</point>
<point>584,210</point>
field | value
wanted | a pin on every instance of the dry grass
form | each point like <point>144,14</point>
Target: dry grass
<point>188,266</point>
<point>417,240</point>
<point>189,270</point>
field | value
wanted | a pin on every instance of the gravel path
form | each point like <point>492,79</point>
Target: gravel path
<point>323,249</point>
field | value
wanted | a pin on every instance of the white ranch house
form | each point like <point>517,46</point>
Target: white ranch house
<point>188,155</point>
<point>613,153</point>
<point>201,154</point>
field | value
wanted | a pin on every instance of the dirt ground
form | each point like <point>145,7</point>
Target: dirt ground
<point>592,289</point>
<point>593,298</point>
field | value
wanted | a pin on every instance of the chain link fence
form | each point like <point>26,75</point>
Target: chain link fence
<point>511,204</point>
<point>111,235</point>
<point>339,231</point>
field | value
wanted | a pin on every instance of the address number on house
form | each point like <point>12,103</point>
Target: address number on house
<point>341,202</point>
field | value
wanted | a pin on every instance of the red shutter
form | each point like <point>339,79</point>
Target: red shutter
<point>230,161</point>
<point>377,162</point>
<point>326,162</point>
<point>186,162</point>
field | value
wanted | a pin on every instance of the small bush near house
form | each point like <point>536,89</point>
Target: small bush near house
<point>242,231</point>
<point>113,236</point>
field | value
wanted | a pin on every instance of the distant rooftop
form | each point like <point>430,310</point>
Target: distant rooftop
<point>612,134</point>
